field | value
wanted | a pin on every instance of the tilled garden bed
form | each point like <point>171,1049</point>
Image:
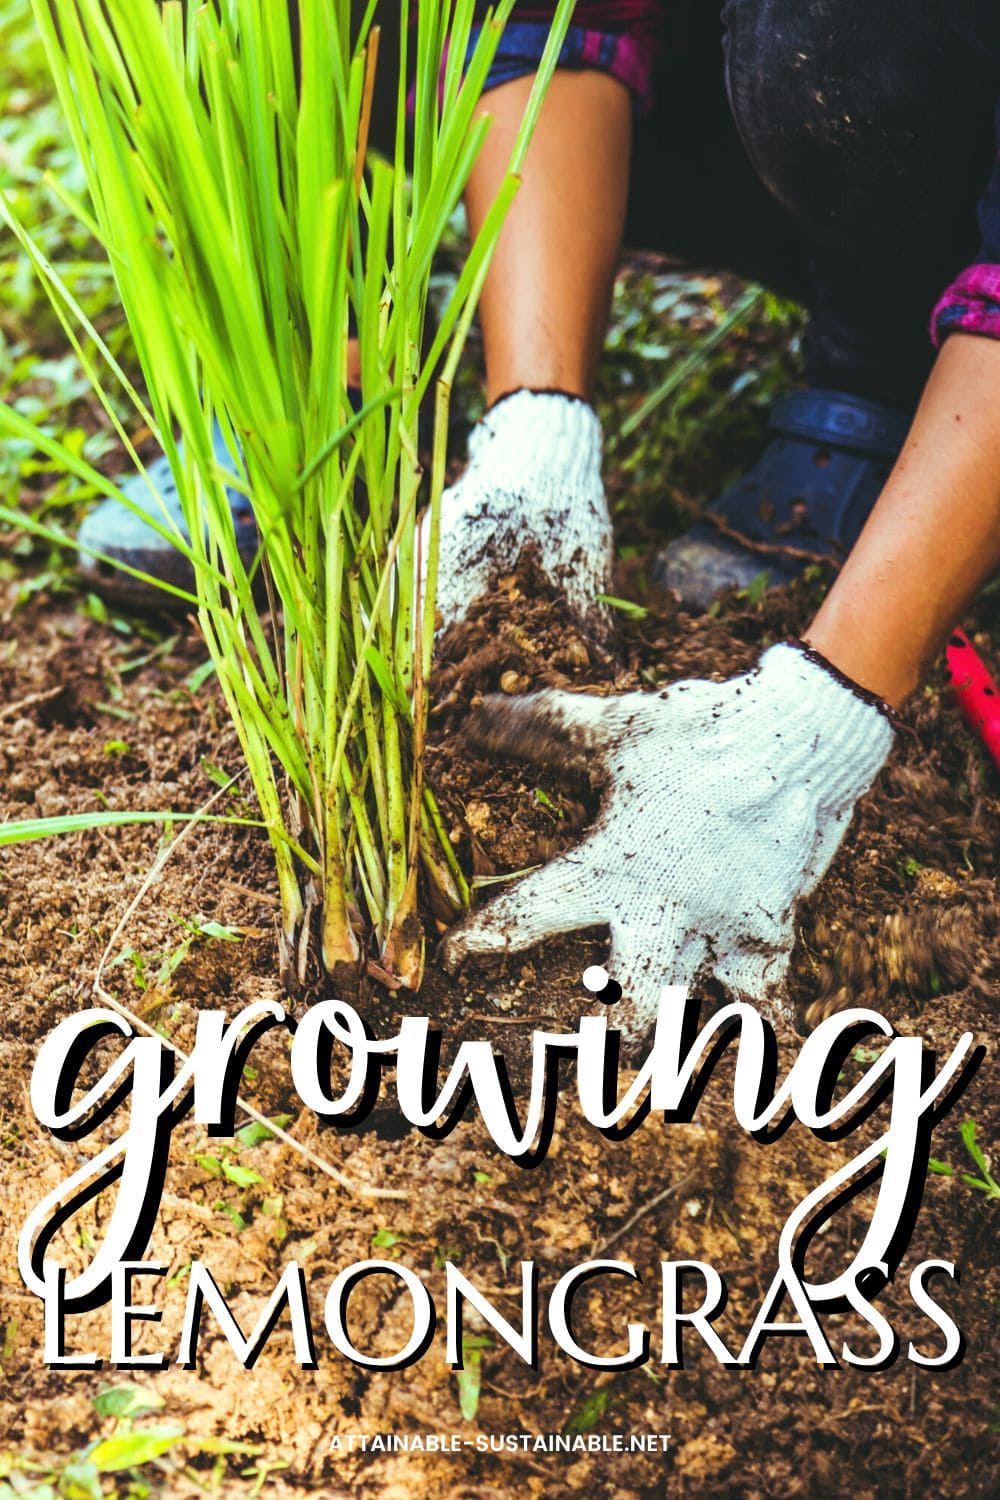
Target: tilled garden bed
<point>907,921</point>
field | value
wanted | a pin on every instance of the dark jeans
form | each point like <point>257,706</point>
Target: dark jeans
<point>834,150</point>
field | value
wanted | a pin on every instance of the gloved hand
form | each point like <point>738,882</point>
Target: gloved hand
<point>724,805</point>
<point>534,475</point>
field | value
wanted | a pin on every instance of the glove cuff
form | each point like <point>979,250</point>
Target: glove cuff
<point>843,732</point>
<point>532,433</point>
<point>865,694</point>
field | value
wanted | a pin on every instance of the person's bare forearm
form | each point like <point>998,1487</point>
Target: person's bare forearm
<point>933,538</point>
<point>545,304</point>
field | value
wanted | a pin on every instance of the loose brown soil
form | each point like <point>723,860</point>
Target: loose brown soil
<point>907,920</point>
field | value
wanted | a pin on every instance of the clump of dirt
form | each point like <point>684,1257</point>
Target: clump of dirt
<point>910,904</point>
<point>907,920</point>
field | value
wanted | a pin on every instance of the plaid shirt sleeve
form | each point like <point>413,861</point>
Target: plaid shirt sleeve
<point>619,39</point>
<point>972,303</point>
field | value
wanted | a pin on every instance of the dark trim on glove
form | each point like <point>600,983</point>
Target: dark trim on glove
<point>866,696</point>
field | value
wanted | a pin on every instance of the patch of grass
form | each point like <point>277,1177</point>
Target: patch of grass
<point>556,812</point>
<point>37,375</point>
<point>387,1239</point>
<point>260,1473</point>
<point>222,1164</point>
<point>470,1378</point>
<point>718,354</point>
<point>111,1464</point>
<point>984,1182</point>
<point>590,1411</point>
<point>626,607</point>
<point>152,972</point>
<point>755,590</point>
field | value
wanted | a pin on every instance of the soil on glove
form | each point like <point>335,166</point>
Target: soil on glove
<point>907,921</point>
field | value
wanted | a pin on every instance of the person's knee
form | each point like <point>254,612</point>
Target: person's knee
<point>861,119</point>
<point>809,83</point>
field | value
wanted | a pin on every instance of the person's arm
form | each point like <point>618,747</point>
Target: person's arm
<point>932,539</point>
<point>534,472</point>
<point>725,803</point>
<point>545,304</point>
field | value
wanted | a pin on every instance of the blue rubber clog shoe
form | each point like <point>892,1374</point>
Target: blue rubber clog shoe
<point>812,489</point>
<point>119,532</point>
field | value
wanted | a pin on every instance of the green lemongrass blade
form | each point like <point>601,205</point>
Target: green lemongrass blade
<point>372,900</point>
<point>438,465</point>
<point>267,198</point>
<point>331,444</point>
<point>455,122</point>
<point>397,853</point>
<point>252,741</point>
<point>365,22</point>
<point>368,300</point>
<point>430,23</point>
<point>194,47</point>
<point>490,229</point>
<point>198,214</point>
<point>471,276</point>
<point>232,159</point>
<point>368,715</point>
<point>49,533</point>
<point>324,301</point>
<point>172,13</point>
<point>242,236</point>
<point>63,301</point>
<point>438,836</point>
<point>282,836</point>
<point>543,77</point>
<point>89,270</point>
<point>104,50</point>
<point>333,580</point>
<point>402,83</point>
<point>400,657</point>
<point>380,672</point>
<point>21,427</point>
<point>461,26</point>
<point>456,150</point>
<point>369,874</point>
<point>269,714</point>
<point>370,860</point>
<point>354,690</point>
<point>265,789</point>
<point>317,144</point>
<point>27,829</point>
<point>279,51</point>
<point>684,367</point>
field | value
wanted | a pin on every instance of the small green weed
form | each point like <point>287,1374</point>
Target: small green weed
<point>470,1378</point>
<point>985,1183</point>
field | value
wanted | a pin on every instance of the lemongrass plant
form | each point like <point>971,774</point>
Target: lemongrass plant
<point>249,229</point>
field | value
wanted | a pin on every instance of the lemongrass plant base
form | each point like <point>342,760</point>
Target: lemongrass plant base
<point>249,231</point>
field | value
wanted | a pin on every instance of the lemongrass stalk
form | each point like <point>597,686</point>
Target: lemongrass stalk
<point>435,842</point>
<point>368,716</point>
<point>242,232</point>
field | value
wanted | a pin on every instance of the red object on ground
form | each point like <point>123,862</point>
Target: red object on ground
<point>975,691</point>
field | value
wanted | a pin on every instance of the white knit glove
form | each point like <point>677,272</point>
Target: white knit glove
<point>724,805</point>
<point>534,476</point>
